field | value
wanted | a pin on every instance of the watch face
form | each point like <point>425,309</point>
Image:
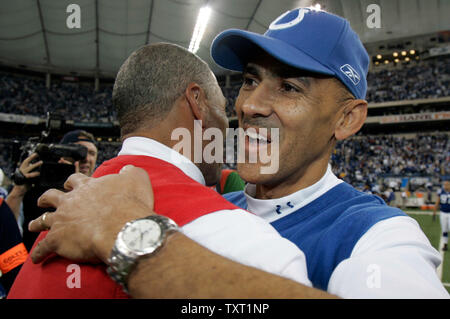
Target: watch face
<point>142,235</point>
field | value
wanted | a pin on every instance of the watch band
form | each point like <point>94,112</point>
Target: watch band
<point>122,263</point>
<point>120,266</point>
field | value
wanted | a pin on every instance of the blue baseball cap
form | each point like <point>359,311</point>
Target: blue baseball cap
<point>304,38</point>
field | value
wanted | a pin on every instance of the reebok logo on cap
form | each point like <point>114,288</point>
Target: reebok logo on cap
<point>351,73</point>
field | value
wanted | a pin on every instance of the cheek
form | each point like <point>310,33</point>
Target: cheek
<point>302,131</point>
<point>294,122</point>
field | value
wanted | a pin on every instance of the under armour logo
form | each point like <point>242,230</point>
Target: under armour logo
<point>300,15</point>
<point>351,73</point>
<point>278,208</point>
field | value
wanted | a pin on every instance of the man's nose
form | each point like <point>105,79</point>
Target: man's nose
<point>258,103</point>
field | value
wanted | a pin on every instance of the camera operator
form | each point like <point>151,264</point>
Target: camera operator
<point>87,165</point>
<point>27,192</point>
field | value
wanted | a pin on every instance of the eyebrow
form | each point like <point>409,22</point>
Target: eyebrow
<point>251,69</point>
<point>284,72</point>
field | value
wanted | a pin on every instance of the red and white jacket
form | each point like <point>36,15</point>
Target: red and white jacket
<point>202,214</point>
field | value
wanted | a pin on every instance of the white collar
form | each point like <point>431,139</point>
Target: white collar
<point>137,145</point>
<point>273,209</point>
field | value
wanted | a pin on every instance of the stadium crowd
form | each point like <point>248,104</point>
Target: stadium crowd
<point>29,96</point>
<point>78,102</point>
<point>426,79</point>
<point>6,156</point>
<point>364,159</point>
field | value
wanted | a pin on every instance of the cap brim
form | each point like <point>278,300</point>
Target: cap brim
<point>233,48</point>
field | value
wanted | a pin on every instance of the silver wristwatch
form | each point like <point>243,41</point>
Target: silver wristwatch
<point>138,238</point>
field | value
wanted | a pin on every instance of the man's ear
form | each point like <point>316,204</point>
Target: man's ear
<point>195,97</point>
<point>352,119</point>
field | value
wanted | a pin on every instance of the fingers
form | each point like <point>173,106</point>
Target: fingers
<point>43,222</point>
<point>75,180</point>
<point>50,198</point>
<point>26,167</point>
<point>27,161</point>
<point>34,165</point>
<point>139,177</point>
<point>31,175</point>
<point>44,248</point>
<point>64,161</point>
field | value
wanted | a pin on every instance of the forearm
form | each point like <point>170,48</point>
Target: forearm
<point>185,269</point>
<point>86,223</point>
<point>15,198</point>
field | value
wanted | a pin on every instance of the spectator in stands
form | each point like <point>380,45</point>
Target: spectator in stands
<point>29,96</point>
<point>418,80</point>
<point>375,158</point>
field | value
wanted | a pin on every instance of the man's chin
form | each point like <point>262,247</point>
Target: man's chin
<point>252,173</point>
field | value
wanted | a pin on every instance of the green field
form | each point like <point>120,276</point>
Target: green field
<point>432,229</point>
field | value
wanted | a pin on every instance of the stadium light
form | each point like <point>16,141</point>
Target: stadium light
<point>386,61</point>
<point>379,56</point>
<point>407,59</point>
<point>316,7</point>
<point>412,52</point>
<point>395,54</point>
<point>200,27</point>
<point>403,53</point>
<point>396,60</point>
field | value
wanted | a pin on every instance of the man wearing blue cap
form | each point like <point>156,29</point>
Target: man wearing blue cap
<point>306,77</point>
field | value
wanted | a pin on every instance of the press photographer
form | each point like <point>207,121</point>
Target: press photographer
<point>45,166</point>
<point>86,165</point>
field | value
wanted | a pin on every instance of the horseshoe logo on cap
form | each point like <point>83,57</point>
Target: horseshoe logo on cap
<point>300,15</point>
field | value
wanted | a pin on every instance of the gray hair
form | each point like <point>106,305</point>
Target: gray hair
<point>152,79</point>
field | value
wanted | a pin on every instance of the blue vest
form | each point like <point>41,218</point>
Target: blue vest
<point>328,228</point>
<point>444,201</point>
